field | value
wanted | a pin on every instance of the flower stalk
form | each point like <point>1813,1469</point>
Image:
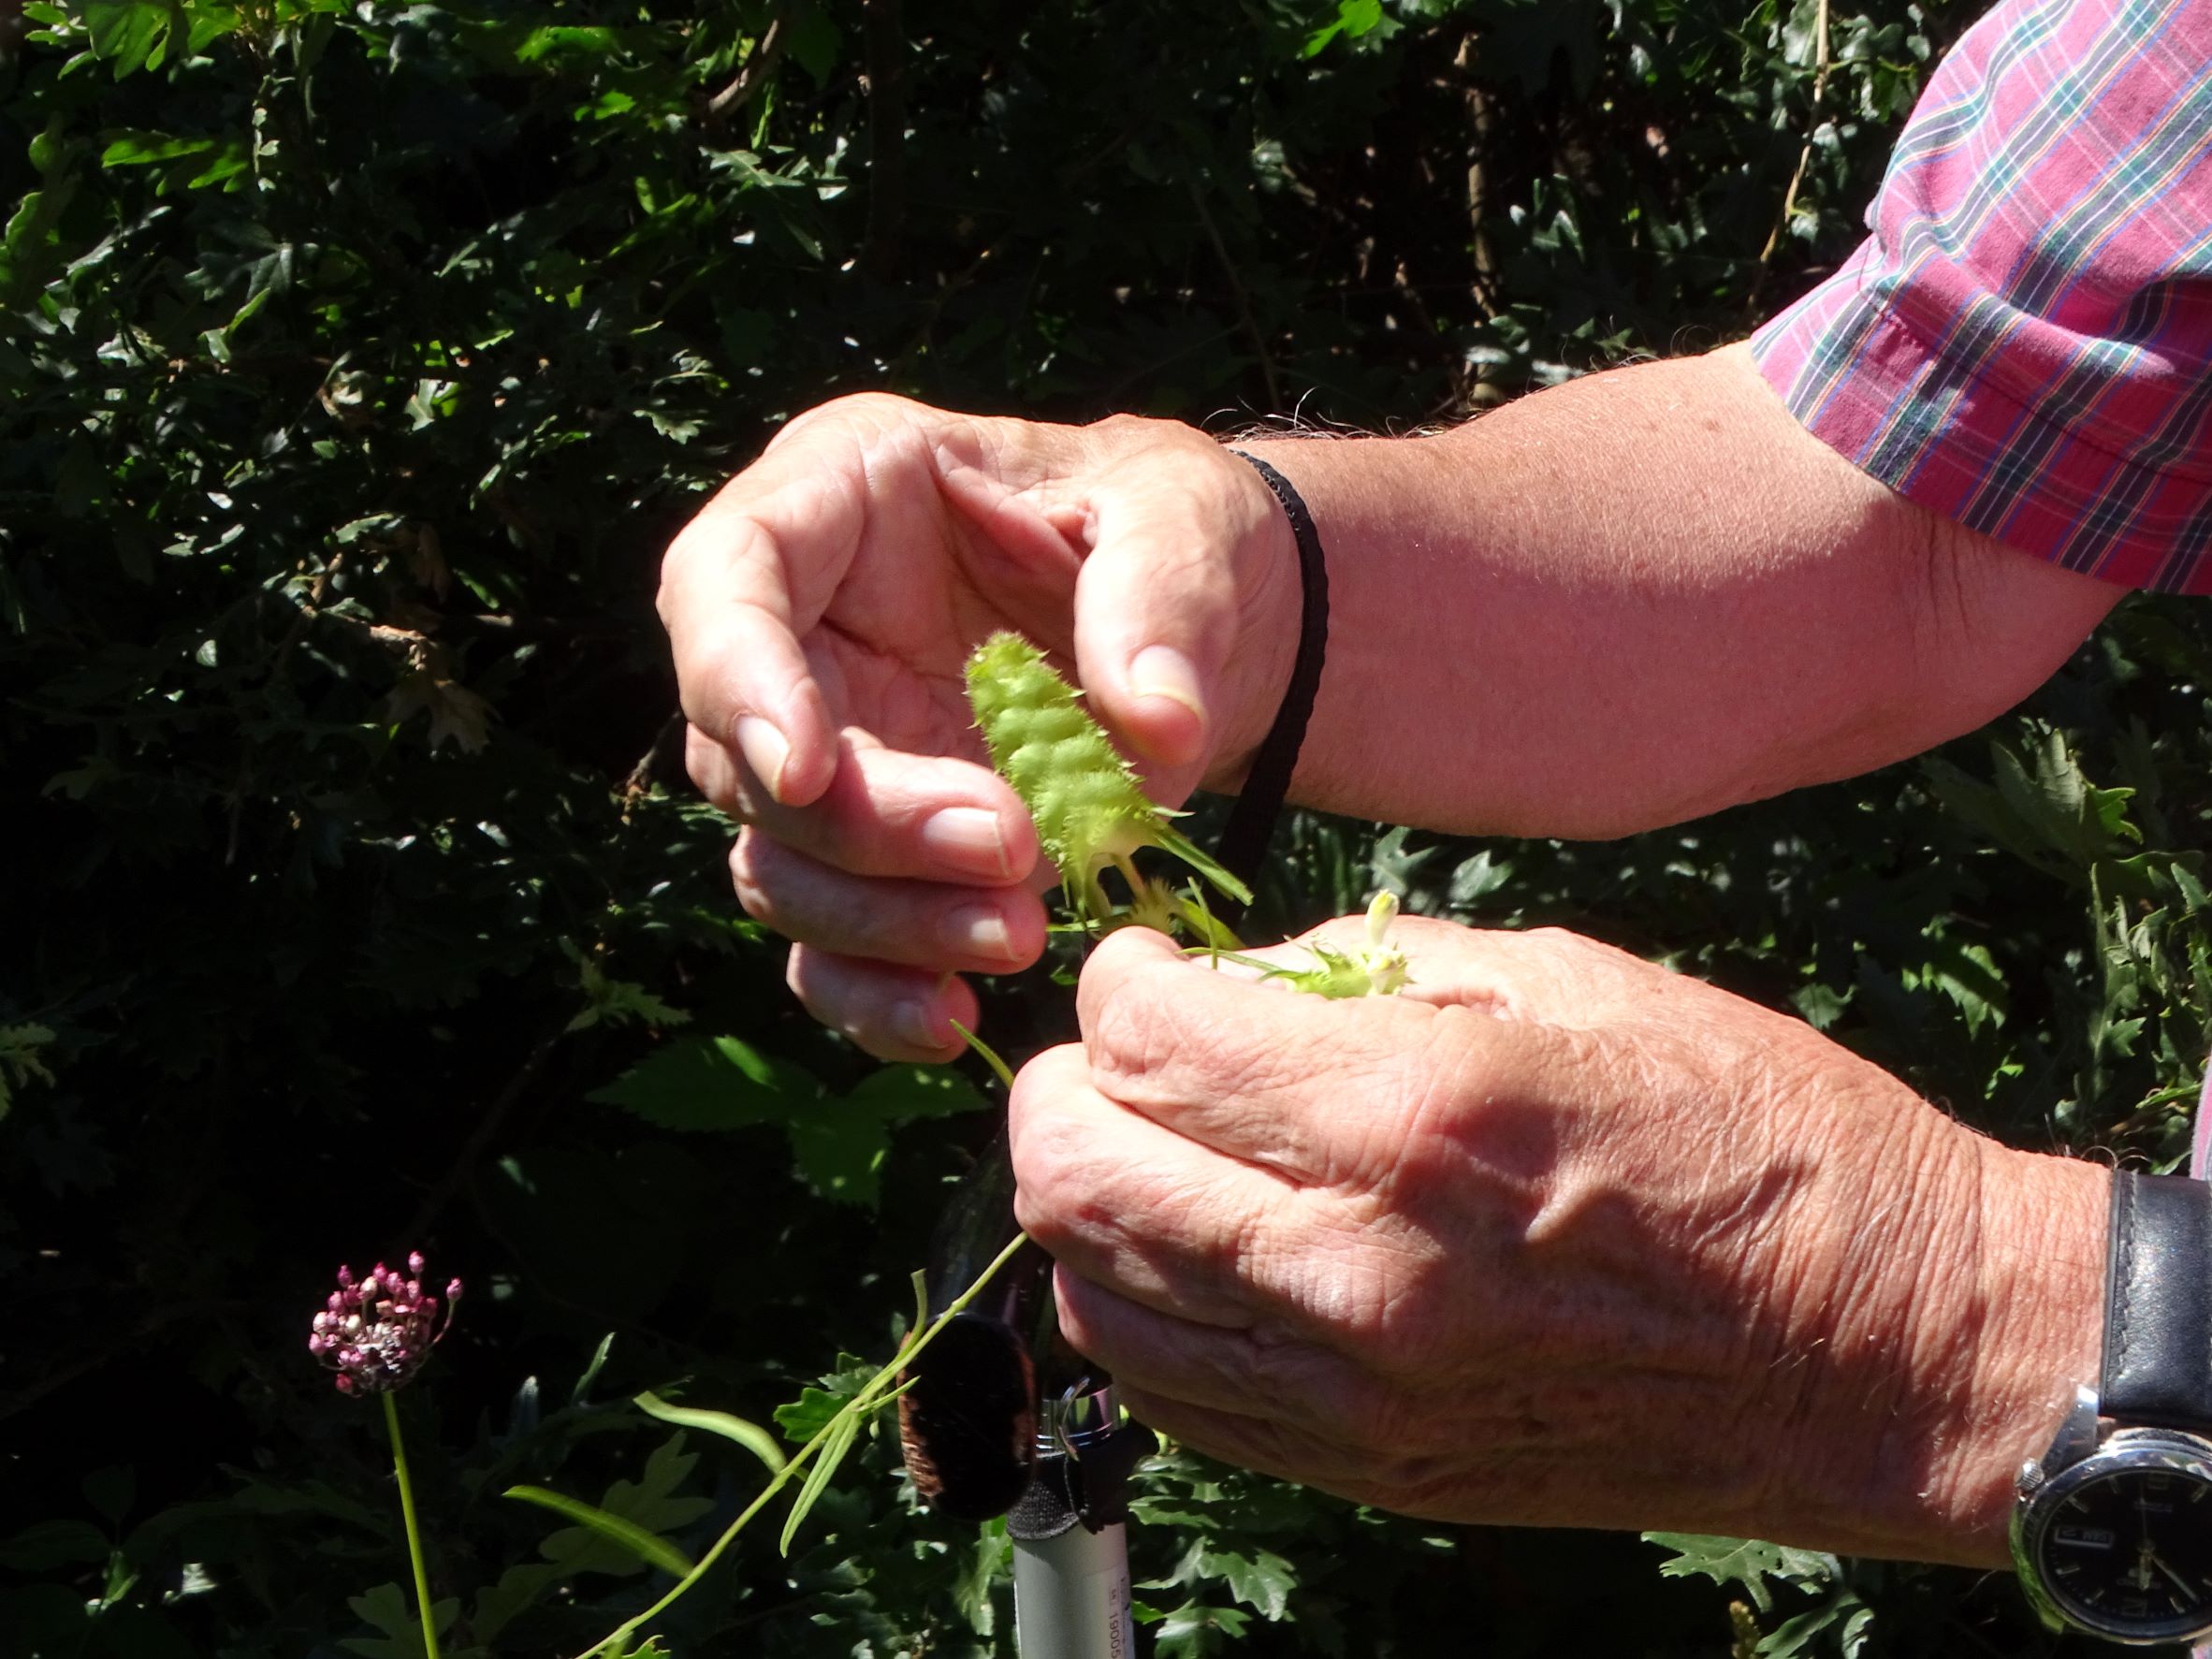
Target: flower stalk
<point>414,1553</point>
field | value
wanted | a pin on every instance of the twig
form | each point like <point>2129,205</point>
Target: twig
<point>1820,86</point>
<point>666,745</point>
<point>1482,285</point>
<point>310,608</point>
<point>759,65</point>
<point>1236,288</point>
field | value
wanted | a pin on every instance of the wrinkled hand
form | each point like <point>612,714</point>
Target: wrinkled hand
<point>1556,1237</point>
<point>821,608</point>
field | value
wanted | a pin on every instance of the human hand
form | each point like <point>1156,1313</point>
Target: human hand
<point>822,606</point>
<point>1556,1237</point>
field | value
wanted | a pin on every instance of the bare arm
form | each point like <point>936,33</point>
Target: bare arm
<point>1618,604</point>
<point>1640,597</point>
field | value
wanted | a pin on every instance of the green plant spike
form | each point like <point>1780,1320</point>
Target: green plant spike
<point>1090,809</point>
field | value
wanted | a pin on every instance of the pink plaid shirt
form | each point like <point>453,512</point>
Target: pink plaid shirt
<point>2024,343</point>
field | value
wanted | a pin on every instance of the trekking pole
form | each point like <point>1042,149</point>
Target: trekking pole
<point>1070,1529</point>
<point>1001,1417</point>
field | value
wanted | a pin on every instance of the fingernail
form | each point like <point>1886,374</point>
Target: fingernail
<point>970,838</point>
<point>913,1023</point>
<point>764,750</point>
<point>979,929</point>
<point>1162,671</point>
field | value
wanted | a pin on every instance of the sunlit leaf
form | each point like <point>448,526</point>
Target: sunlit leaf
<point>754,1438</point>
<point>647,1547</point>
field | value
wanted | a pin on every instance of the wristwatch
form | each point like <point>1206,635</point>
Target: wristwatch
<point>2112,1528</point>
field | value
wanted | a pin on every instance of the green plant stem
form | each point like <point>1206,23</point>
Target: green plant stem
<point>873,1392</point>
<point>422,1571</point>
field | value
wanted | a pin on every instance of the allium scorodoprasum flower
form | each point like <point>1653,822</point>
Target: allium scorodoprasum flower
<point>376,1332</point>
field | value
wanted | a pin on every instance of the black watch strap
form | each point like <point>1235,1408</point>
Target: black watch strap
<point>2158,1303</point>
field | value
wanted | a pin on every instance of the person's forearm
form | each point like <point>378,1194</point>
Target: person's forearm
<point>1641,597</point>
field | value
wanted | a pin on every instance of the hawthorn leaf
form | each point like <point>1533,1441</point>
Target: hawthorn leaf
<point>711,1083</point>
<point>811,1413</point>
<point>1745,1562</point>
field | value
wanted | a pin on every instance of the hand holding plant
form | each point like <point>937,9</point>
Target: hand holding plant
<point>1554,1236</point>
<point>821,608</point>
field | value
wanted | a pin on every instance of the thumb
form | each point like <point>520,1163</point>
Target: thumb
<point>1186,608</point>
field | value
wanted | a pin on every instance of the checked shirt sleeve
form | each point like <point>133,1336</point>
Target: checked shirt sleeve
<point>2024,344</point>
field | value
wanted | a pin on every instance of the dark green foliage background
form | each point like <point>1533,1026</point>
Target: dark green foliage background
<point>357,362</point>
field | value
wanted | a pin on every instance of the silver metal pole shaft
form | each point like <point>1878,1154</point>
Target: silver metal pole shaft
<point>1071,1582</point>
<point>1072,1595</point>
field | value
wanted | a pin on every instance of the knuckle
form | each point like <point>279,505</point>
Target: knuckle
<point>802,973</point>
<point>1131,1014</point>
<point>860,412</point>
<point>703,668</point>
<point>1051,1187</point>
<point>1427,930</point>
<point>753,877</point>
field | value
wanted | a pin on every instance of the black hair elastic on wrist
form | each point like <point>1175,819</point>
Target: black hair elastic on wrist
<point>1252,820</point>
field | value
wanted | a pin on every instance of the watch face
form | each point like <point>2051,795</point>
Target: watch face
<point>2125,1547</point>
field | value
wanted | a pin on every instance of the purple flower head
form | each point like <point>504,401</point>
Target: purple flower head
<point>376,1332</point>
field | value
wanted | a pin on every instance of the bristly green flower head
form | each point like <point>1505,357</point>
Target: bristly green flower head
<point>1090,809</point>
<point>1376,968</point>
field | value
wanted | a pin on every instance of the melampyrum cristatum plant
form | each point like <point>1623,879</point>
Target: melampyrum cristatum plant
<point>1090,809</point>
<point>1092,812</point>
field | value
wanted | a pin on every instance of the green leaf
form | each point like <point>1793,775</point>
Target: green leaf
<point>840,1154</point>
<point>21,1047</point>
<point>518,1589</point>
<point>1354,17</point>
<point>754,1438</point>
<point>989,1567</point>
<point>131,35</point>
<point>567,40</point>
<point>904,1094</point>
<point>47,1545</point>
<point>711,1083</point>
<point>30,247</point>
<point>1192,1631</point>
<point>111,1492</point>
<point>647,1547</point>
<point>2061,805</point>
<point>842,1435</point>
<point>387,1610</point>
<point>815,41</point>
<point>811,1413</point>
<point>649,1505</point>
<point>1262,1580</point>
<point>1477,878</point>
<point>1969,977</point>
<point>1840,1626</point>
<point>838,1147</point>
<point>130,147</point>
<point>1745,1562</point>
